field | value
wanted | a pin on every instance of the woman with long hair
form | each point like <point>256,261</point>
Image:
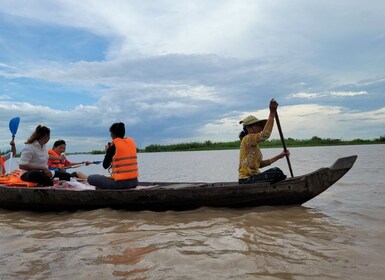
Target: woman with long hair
<point>34,159</point>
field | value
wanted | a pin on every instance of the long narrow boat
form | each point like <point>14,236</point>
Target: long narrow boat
<point>161,196</point>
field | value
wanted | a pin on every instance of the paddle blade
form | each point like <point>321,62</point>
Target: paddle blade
<point>97,162</point>
<point>14,125</point>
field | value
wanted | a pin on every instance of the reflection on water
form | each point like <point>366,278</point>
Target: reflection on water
<point>338,235</point>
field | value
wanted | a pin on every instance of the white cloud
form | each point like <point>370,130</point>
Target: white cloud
<point>7,66</point>
<point>348,93</point>
<point>314,95</point>
<point>304,122</point>
<point>4,97</point>
<point>171,63</point>
<point>239,29</point>
<point>306,95</point>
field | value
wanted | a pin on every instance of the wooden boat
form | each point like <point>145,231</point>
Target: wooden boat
<point>160,196</point>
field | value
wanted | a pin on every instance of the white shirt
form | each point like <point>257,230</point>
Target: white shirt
<point>34,154</point>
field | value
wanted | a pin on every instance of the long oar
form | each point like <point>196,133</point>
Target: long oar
<point>13,127</point>
<point>81,164</point>
<point>283,142</point>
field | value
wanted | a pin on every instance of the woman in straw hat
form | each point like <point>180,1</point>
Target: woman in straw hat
<point>250,158</point>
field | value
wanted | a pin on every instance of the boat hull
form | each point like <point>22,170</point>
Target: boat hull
<point>161,196</point>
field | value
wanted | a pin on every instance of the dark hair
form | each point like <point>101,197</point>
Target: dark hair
<point>39,133</point>
<point>118,129</point>
<point>243,133</point>
<point>58,143</point>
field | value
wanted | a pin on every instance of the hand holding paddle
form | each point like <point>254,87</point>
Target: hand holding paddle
<point>13,127</point>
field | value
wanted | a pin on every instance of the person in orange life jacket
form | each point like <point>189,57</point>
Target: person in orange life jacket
<point>58,160</point>
<point>6,157</point>
<point>250,158</point>
<point>121,158</point>
<point>34,159</point>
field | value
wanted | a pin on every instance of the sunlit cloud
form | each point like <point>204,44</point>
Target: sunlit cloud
<point>4,97</point>
<point>174,71</point>
<point>306,95</point>
<point>313,95</point>
<point>348,93</point>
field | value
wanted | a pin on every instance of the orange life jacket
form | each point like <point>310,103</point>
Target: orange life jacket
<point>13,179</point>
<point>54,163</point>
<point>124,164</point>
<point>2,164</point>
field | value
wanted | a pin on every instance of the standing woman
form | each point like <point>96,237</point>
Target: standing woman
<point>121,158</point>
<point>34,159</point>
<point>251,158</point>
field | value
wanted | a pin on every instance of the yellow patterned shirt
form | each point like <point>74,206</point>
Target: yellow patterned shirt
<point>250,157</point>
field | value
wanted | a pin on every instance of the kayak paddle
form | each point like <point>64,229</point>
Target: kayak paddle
<point>13,127</point>
<point>81,164</point>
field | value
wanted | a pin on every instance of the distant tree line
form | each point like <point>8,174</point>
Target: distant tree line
<point>209,145</point>
<point>290,142</point>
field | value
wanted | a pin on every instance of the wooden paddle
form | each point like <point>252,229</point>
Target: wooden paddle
<point>283,142</point>
<point>13,127</point>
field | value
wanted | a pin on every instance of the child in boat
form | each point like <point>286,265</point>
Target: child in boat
<point>34,159</point>
<point>6,157</point>
<point>250,158</point>
<point>121,158</point>
<point>58,160</point>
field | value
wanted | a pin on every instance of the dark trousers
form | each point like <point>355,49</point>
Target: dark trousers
<point>104,182</point>
<point>38,176</point>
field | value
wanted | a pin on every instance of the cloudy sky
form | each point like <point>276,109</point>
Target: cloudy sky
<point>181,71</point>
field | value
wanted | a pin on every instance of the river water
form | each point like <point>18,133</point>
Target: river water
<point>338,235</point>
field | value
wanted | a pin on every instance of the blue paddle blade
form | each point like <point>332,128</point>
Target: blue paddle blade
<point>97,162</point>
<point>14,125</point>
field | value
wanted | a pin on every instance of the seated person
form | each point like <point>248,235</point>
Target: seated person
<point>121,158</point>
<point>58,160</point>
<point>33,161</point>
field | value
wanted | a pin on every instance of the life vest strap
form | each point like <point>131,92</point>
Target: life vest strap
<point>125,164</point>
<point>124,171</point>
<point>125,158</point>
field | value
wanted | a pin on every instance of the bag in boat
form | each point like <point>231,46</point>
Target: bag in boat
<point>272,175</point>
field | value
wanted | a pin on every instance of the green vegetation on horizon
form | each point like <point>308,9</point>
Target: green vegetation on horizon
<point>290,142</point>
<point>274,143</point>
